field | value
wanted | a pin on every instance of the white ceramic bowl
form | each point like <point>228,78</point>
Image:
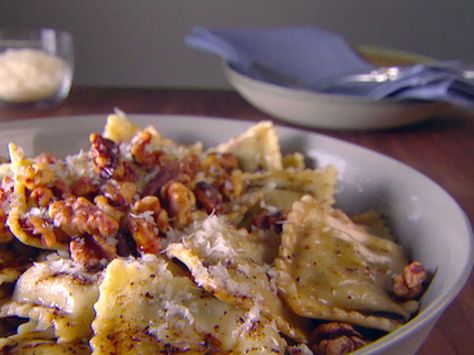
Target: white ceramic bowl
<point>427,221</point>
<point>338,112</point>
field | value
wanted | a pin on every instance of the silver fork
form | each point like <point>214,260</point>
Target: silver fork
<point>379,75</point>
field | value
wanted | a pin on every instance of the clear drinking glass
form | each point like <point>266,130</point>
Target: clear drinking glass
<point>36,67</point>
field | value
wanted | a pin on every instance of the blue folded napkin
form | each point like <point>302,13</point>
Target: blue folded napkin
<point>315,59</point>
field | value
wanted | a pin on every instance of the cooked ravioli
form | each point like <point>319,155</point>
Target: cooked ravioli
<point>331,269</point>
<point>256,149</point>
<point>219,263</point>
<point>33,344</point>
<point>19,209</point>
<point>118,128</point>
<point>56,293</point>
<point>279,190</point>
<point>287,186</point>
<point>146,308</point>
<point>373,223</point>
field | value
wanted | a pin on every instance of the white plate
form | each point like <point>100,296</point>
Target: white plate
<point>337,112</point>
<point>427,221</point>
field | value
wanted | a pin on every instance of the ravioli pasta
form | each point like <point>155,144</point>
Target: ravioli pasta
<point>140,244</point>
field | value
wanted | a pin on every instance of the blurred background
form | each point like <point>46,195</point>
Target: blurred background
<point>139,43</point>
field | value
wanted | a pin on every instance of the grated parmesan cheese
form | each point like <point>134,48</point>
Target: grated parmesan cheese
<point>80,165</point>
<point>209,237</point>
<point>28,75</point>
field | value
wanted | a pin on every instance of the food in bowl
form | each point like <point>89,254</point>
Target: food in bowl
<point>142,244</point>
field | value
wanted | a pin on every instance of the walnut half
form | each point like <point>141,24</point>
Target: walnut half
<point>409,285</point>
<point>335,338</point>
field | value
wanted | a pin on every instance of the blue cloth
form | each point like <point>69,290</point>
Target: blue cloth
<point>310,58</point>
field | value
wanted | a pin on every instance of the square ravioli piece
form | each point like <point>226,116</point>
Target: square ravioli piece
<point>219,260</point>
<point>146,307</point>
<point>55,295</point>
<point>331,269</point>
<point>256,149</point>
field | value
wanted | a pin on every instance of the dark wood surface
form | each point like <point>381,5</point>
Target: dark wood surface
<point>441,148</point>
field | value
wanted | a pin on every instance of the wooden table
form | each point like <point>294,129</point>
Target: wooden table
<point>442,149</point>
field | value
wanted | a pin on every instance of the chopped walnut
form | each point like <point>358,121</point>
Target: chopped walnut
<point>335,338</point>
<point>103,203</point>
<point>79,216</point>
<point>106,157</point>
<point>409,285</point>
<point>146,220</point>
<point>180,201</point>
<point>84,187</point>
<point>140,147</point>
<point>91,251</point>
<point>188,167</point>
<point>208,197</point>
<point>266,220</point>
<point>152,204</point>
<point>232,185</point>
<point>167,173</point>
<point>217,164</point>
<point>119,193</point>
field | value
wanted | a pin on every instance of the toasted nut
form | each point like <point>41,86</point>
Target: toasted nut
<point>266,220</point>
<point>231,186</point>
<point>228,161</point>
<point>140,151</point>
<point>103,203</point>
<point>146,235</point>
<point>119,193</point>
<point>334,339</point>
<point>409,286</point>
<point>152,204</point>
<point>91,251</point>
<point>84,187</point>
<point>208,197</point>
<point>188,167</point>
<point>168,172</point>
<point>83,254</point>
<point>146,220</point>
<point>218,164</point>
<point>180,202</point>
<point>106,154</point>
<point>79,216</point>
